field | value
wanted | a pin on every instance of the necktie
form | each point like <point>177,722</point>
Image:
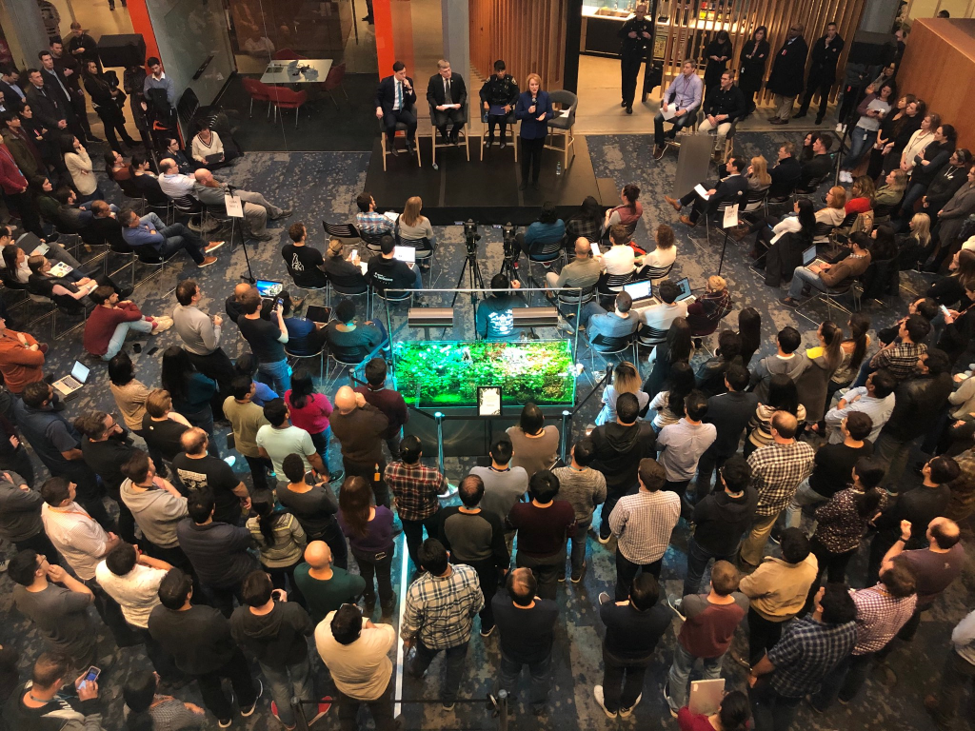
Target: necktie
<point>399,95</point>
<point>58,79</point>
<point>446,90</point>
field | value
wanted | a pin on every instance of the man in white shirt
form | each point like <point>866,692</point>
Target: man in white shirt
<point>876,400</point>
<point>682,99</point>
<point>356,652</point>
<point>683,443</point>
<point>620,259</point>
<point>172,181</point>
<point>657,319</point>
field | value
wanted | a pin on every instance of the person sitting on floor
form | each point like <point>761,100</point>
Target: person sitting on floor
<point>729,189</point>
<point>825,277</point>
<point>110,322</point>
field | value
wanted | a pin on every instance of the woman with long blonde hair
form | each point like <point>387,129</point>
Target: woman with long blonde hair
<point>413,228</point>
<point>758,176</point>
<point>626,379</point>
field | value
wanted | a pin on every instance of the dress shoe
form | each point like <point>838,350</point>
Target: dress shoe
<point>789,302</point>
<point>819,119</point>
<point>629,110</point>
<point>658,151</point>
<point>687,221</point>
<point>523,186</point>
<point>800,115</point>
<point>535,185</point>
<point>778,120</point>
<point>674,203</point>
<point>410,148</point>
<point>623,103</point>
<point>503,144</point>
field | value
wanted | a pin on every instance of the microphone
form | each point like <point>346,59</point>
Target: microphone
<point>533,101</point>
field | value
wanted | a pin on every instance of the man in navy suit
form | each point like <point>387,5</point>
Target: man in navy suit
<point>396,102</point>
<point>447,95</point>
<point>14,98</point>
<point>730,188</point>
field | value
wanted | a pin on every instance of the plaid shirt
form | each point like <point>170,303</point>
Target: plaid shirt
<point>416,489</point>
<point>880,616</point>
<point>901,360</point>
<point>644,523</point>
<point>373,224</point>
<point>777,470</point>
<point>806,653</point>
<point>440,610</point>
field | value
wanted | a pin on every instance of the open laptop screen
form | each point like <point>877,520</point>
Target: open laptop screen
<point>809,255</point>
<point>685,289</point>
<point>639,290</point>
<point>267,288</point>
<point>80,372</point>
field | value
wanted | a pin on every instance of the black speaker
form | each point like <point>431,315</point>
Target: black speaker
<point>869,49</point>
<point>124,50</point>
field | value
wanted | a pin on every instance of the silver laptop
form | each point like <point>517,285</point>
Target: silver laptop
<point>684,286</point>
<point>405,253</point>
<point>73,383</point>
<point>809,257</point>
<point>706,696</point>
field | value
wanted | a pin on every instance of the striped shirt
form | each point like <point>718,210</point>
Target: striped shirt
<point>777,470</point>
<point>643,523</point>
<point>440,609</point>
<point>880,616</point>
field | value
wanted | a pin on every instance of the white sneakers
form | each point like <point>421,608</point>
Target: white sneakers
<point>162,324</point>
<point>846,176</point>
<point>841,128</point>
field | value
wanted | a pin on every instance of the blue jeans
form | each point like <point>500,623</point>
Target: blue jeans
<point>800,278</point>
<point>541,678</point>
<point>279,374</point>
<point>680,674</point>
<point>804,497</point>
<point>678,122</point>
<point>860,141</point>
<point>577,557</point>
<point>697,561</point>
<point>912,196</point>
<point>320,441</point>
<point>121,330</point>
<point>454,667</point>
<point>287,682</point>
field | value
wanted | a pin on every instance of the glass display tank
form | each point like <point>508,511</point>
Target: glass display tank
<point>438,373</point>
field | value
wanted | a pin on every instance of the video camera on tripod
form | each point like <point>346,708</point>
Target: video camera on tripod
<point>471,236</point>
<point>510,245</point>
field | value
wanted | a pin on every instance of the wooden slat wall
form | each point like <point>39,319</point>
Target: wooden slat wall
<point>688,39</point>
<point>528,34</point>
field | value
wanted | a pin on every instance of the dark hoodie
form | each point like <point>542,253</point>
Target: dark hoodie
<point>773,365</point>
<point>812,384</point>
<point>277,638</point>
<point>619,450</point>
<point>721,520</point>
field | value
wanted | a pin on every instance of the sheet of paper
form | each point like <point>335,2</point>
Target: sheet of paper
<point>490,402</point>
<point>699,189</point>
<point>669,113</point>
<point>391,215</point>
<point>594,247</point>
<point>564,113</point>
<point>235,209</point>
<point>364,267</point>
<point>730,216</point>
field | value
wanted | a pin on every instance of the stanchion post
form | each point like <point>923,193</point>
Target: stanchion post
<point>566,416</point>
<point>439,417</point>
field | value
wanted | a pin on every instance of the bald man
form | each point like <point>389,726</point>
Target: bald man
<point>233,303</point>
<point>359,427</point>
<point>583,271</point>
<point>325,587</point>
<point>210,191</point>
<point>173,183</point>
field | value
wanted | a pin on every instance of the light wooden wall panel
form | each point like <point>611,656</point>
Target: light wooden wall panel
<point>939,67</point>
<point>528,34</point>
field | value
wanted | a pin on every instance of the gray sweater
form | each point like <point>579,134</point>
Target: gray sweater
<point>196,330</point>
<point>157,513</point>
<point>20,510</point>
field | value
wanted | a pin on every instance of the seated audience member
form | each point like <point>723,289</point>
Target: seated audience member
<point>547,229</point>
<point>350,339</point>
<point>257,210</point>
<point>621,258</point>
<point>184,163</point>
<point>304,336</point>
<point>620,323</point>
<point>786,172</point>
<point>61,290</point>
<point>414,229</point>
<point>816,169</point>
<point>825,277</point>
<point>165,241</point>
<point>346,275</point>
<point>206,148</point>
<point>28,244</point>
<point>174,183</point>
<point>367,220</point>
<point>629,213</point>
<point>887,198</point>
<point>304,262</point>
<point>656,319</point>
<point>662,257</point>
<point>728,190</point>
<point>72,216</point>
<point>110,322</point>
<point>582,272</point>
<point>105,224</point>
<point>706,312</point>
<point>683,97</point>
<point>722,107</point>
<point>861,196</point>
<point>387,272</point>
<point>587,222</point>
<point>494,320</point>
<point>146,181</point>
<point>757,175</point>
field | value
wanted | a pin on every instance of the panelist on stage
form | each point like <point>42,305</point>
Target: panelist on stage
<point>729,188</point>
<point>498,98</point>
<point>396,102</point>
<point>636,33</point>
<point>682,98</point>
<point>447,95</point>
<point>534,110</point>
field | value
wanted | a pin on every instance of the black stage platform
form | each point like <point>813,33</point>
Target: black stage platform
<point>485,191</point>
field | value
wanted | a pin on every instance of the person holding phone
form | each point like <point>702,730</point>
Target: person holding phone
<point>534,110</point>
<point>267,340</point>
<point>42,704</point>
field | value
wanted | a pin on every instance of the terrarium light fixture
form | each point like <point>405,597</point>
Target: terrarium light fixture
<point>430,317</point>
<point>535,316</point>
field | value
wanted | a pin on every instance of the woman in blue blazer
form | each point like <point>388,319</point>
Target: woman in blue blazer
<point>534,110</point>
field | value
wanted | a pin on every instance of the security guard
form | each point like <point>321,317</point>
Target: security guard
<point>636,34</point>
<point>500,93</point>
<point>822,71</point>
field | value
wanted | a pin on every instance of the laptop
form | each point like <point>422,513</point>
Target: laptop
<point>684,286</point>
<point>318,315</point>
<point>214,159</point>
<point>706,696</point>
<point>640,292</point>
<point>73,383</point>
<point>268,289</point>
<point>405,253</point>
<point>809,257</point>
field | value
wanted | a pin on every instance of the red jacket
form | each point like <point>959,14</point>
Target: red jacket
<point>11,179</point>
<point>102,323</point>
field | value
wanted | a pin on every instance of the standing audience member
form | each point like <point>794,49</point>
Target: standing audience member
<point>267,340</point>
<point>388,401</point>
<point>143,705</point>
<point>325,587</point>
<point>534,445</point>
<point>359,426</point>
<point>683,443</point>
<point>416,490</point>
<point>157,507</point>
<point>279,438</point>
<point>20,516</point>
<point>369,528</point>
<point>956,676</point>
<point>730,413</point>
<point>314,505</point>
<point>439,616</point>
<point>585,489</point>
<point>504,485</point>
<point>43,704</point>
<point>199,472</point>
<point>309,410</point>
<point>642,524</point>
<point>280,540</point>
<point>201,334</point>
<point>246,418</point>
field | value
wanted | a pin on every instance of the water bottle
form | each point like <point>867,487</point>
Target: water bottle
<point>558,168</point>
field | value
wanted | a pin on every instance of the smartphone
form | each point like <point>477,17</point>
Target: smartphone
<point>279,302</point>
<point>152,350</point>
<point>944,311</point>
<point>92,675</point>
<point>354,254</point>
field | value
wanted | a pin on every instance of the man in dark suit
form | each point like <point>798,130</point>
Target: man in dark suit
<point>785,79</point>
<point>49,107</point>
<point>396,102</point>
<point>447,96</point>
<point>819,166</point>
<point>56,83</point>
<point>13,96</point>
<point>822,71</point>
<point>730,188</point>
<point>785,174</point>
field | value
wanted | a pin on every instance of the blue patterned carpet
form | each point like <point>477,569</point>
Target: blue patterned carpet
<point>323,185</point>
